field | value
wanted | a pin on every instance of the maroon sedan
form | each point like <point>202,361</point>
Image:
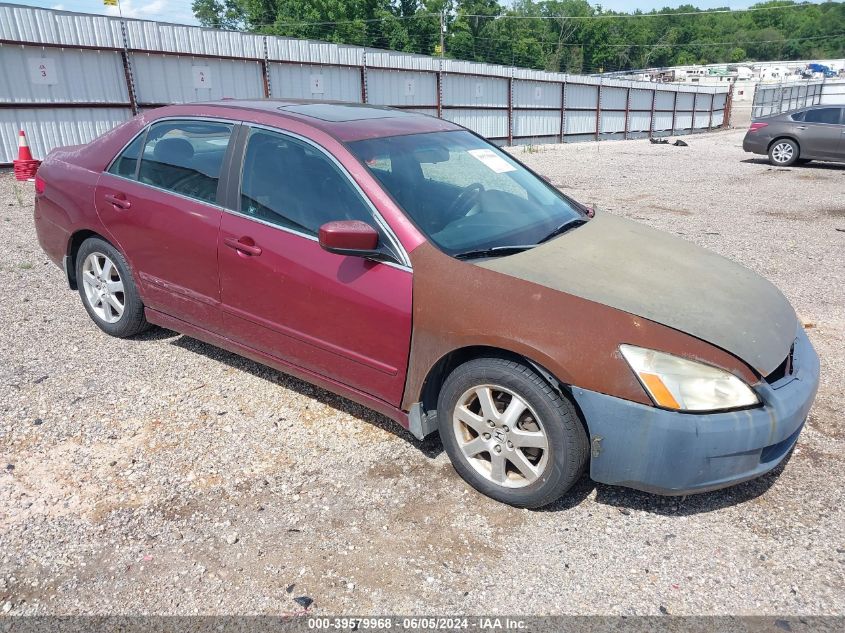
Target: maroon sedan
<point>406,263</point>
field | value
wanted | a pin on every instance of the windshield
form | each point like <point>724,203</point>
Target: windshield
<point>464,193</point>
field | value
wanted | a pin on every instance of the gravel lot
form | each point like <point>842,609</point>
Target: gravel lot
<point>161,475</point>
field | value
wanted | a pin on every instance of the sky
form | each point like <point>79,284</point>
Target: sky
<point>179,11</point>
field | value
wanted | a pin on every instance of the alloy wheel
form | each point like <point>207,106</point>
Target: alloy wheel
<point>103,287</point>
<point>500,436</point>
<point>782,152</point>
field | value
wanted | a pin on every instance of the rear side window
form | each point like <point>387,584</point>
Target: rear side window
<point>823,115</point>
<point>798,116</point>
<point>185,157</point>
<point>291,184</point>
<point>126,164</point>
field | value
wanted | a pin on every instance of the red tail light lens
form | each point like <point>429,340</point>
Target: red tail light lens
<point>39,184</point>
<point>757,126</point>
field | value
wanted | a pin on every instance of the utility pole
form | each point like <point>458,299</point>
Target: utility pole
<point>442,31</point>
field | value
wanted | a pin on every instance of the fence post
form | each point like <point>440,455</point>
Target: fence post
<point>265,69</point>
<point>653,104</point>
<point>562,110</point>
<point>364,76</point>
<point>727,113</point>
<point>510,108</point>
<point>675,113</point>
<point>598,111</point>
<point>127,70</point>
<point>439,82</point>
<point>627,111</point>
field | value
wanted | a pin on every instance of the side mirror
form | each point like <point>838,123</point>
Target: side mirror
<point>349,237</point>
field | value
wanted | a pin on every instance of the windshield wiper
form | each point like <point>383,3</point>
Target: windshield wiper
<point>563,228</point>
<point>494,251</point>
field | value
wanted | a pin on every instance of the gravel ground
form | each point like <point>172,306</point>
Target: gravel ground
<point>161,475</point>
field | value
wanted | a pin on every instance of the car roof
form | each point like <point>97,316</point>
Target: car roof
<point>345,121</point>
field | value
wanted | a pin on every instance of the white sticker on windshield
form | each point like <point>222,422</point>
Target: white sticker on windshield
<point>492,160</point>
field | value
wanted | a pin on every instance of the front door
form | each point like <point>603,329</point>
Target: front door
<point>163,214</point>
<point>820,132</point>
<point>345,318</point>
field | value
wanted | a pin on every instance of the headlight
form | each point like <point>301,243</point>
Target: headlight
<point>685,385</point>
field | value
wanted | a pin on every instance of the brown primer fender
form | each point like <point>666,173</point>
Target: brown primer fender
<point>458,304</point>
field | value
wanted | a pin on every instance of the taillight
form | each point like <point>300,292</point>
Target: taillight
<point>39,184</point>
<point>757,126</point>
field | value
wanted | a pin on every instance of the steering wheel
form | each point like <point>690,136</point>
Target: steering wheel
<point>465,200</point>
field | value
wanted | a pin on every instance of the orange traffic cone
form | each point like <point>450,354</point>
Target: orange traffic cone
<point>25,166</point>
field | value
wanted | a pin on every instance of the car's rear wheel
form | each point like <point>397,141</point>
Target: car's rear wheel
<point>509,434</point>
<point>783,152</point>
<point>107,289</point>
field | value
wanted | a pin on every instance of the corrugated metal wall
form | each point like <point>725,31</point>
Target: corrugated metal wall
<point>161,79</point>
<point>65,78</point>
<point>312,81</point>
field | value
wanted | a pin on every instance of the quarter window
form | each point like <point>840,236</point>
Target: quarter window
<point>823,115</point>
<point>185,157</point>
<point>126,164</point>
<point>293,185</point>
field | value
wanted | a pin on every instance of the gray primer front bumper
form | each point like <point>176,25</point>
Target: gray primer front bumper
<point>673,453</point>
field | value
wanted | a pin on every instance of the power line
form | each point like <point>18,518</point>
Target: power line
<point>600,16</point>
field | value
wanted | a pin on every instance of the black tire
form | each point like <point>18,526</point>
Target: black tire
<point>131,321</point>
<point>565,435</point>
<point>783,152</point>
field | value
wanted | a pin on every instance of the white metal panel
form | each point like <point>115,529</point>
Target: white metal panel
<point>464,90</point>
<point>641,99</point>
<point>488,123</point>
<point>702,101</point>
<point>719,100</point>
<point>536,94</point>
<point>718,118</point>
<point>686,100</point>
<point>612,122</point>
<point>536,122</point>
<point>580,122</point>
<point>28,24</point>
<point>702,120</point>
<point>157,36</point>
<point>80,76</point>
<point>613,98</point>
<point>476,68</point>
<point>664,100</point>
<point>378,58</point>
<point>400,87</point>
<point>581,96</point>
<point>683,121</point>
<point>662,121</point>
<point>639,121</point>
<point>833,93</point>
<point>306,81</point>
<point>47,128</point>
<point>310,51</point>
<point>171,79</point>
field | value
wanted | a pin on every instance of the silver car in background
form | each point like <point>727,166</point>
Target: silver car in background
<point>816,133</point>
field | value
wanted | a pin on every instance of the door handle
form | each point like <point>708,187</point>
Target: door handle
<point>243,246</point>
<point>120,203</point>
<point>801,127</point>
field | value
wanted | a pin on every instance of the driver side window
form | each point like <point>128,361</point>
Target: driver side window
<point>293,185</point>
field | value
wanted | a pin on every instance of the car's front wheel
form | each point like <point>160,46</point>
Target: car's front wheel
<point>783,152</point>
<point>509,434</point>
<point>107,289</point>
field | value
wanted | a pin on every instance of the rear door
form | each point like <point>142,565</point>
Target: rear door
<point>819,133</point>
<point>159,200</point>
<point>345,318</point>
